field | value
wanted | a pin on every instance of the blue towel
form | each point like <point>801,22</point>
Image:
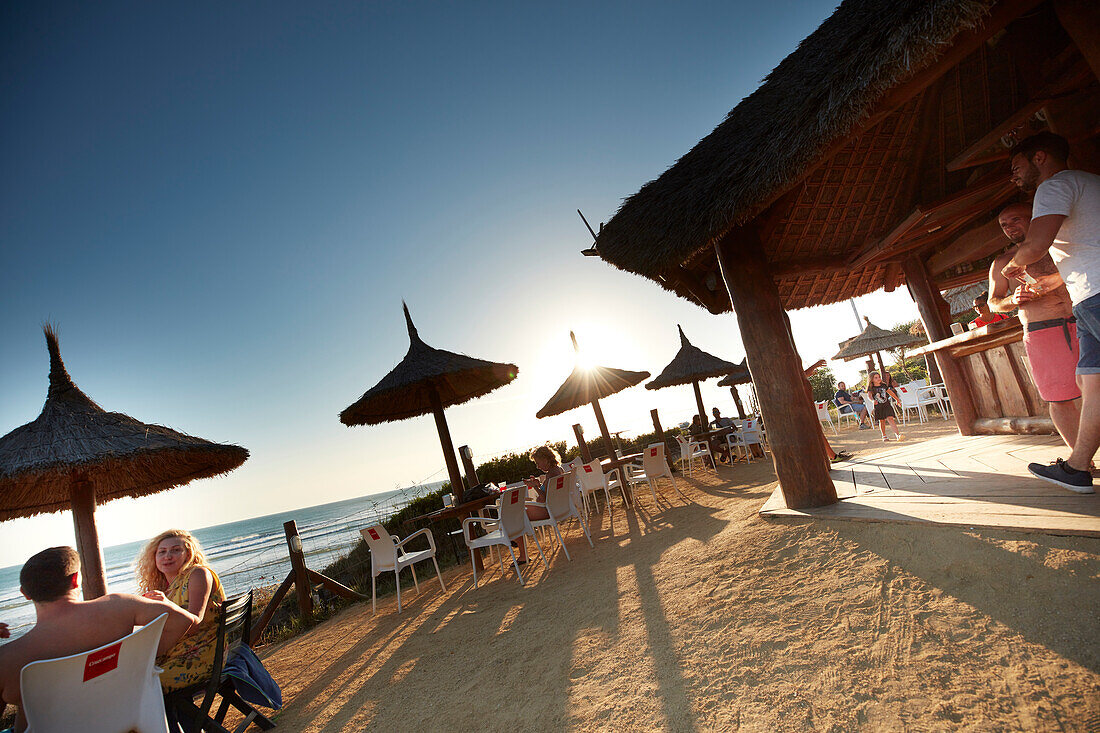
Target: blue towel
<point>251,680</point>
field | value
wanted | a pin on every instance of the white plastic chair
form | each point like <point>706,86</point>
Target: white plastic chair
<point>910,401</point>
<point>110,689</point>
<point>654,466</point>
<point>933,395</point>
<point>509,527</point>
<point>690,450</point>
<point>592,480</point>
<point>559,505</point>
<point>387,554</point>
<point>824,416</point>
<point>748,435</point>
<point>841,414</point>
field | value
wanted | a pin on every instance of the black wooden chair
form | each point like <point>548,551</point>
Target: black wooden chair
<point>234,629</point>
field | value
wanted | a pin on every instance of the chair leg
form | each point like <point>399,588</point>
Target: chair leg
<point>373,595</point>
<point>514,563</point>
<point>438,574</point>
<point>653,491</point>
<point>397,576</point>
<point>584,526</point>
<point>415,581</point>
<point>562,542</point>
<point>539,547</point>
<point>473,565</point>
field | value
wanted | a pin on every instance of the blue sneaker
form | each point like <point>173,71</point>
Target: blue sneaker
<point>1064,475</point>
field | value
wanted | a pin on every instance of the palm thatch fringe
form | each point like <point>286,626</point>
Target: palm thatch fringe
<point>691,364</point>
<point>740,376</point>
<point>815,96</point>
<point>407,390</point>
<point>73,437</point>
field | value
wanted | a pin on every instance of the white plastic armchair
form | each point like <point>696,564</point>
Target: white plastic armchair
<point>387,554</point>
<point>750,433</point>
<point>654,466</point>
<point>692,450</point>
<point>593,480</point>
<point>113,688</point>
<point>910,401</point>
<point>823,415</point>
<point>559,505</point>
<point>509,527</point>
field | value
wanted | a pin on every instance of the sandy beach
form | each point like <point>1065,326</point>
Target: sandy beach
<point>703,616</point>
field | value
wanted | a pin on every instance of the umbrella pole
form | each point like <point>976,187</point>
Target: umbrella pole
<point>92,575</point>
<point>699,403</point>
<point>457,487</point>
<point>737,401</point>
<point>603,428</point>
<point>881,363</point>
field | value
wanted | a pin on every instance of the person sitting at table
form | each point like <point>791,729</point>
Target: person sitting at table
<point>720,422</point>
<point>846,403</point>
<point>549,462</point>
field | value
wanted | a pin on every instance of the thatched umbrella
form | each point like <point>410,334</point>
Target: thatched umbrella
<point>731,380</point>
<point>428,380</point>
<point>76,455</point>
<point>588,385</point>
<point>691,365</point>
<point>874,340</point>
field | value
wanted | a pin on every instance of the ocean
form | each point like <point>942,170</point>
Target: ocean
<point>247,553</point>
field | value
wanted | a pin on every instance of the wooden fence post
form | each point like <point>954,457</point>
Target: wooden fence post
<point>585,453</point>
<point>299,570</point>
<point>467,457</point>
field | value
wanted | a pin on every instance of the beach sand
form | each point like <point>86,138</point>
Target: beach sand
<point>703,616</point>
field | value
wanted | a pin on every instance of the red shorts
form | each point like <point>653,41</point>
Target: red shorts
<point>1052,356</point>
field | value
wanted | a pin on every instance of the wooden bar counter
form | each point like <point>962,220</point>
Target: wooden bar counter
<point>994,364</point>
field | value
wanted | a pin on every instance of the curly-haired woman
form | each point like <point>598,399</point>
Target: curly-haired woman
<point>172,567</point>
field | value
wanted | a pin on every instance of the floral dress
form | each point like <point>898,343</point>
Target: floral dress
<point>192,658</point>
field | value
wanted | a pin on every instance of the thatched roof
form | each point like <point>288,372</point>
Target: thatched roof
<point>961,299</point>
<point>873,339</point>
<point>120,456</point>
<point>405,391</point>
<point>584,385</point>
<point>812,102</point>
<point>741,376</point>
<point>691,364</point>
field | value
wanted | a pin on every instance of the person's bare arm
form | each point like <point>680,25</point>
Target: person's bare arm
<point>1000,289</point>
<point>198,592</point>
<point>1039,238</point>
<point>178,623</point>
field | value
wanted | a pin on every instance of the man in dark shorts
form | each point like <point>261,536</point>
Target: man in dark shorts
<point>1066,222</point>
<point>1050,330</point>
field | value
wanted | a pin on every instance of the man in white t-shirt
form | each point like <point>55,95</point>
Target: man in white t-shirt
<point>1065,220</point>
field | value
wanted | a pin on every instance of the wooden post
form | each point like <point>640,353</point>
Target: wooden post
<point>603,429</point>
<point>448,447</point>
<point>660,435</point>
<point>467,457</point>
<point>585,453</point>
<point>929,301</point>
<point>299,570</point>
<point>93,577</point>
<point>737,401</point>
<point>699,404</point>
<point>793,430</point>
<point>881,364</point>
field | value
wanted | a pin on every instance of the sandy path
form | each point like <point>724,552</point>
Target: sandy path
<point>702,616</point>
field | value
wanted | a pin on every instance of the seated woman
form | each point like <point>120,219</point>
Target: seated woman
<point>549,462</point>
<point>172,567</point>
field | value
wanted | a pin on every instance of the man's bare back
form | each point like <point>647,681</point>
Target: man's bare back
<point>69,626</point>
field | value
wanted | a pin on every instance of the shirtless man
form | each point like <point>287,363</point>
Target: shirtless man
<point>66,625</point>
<point>1050,330</point>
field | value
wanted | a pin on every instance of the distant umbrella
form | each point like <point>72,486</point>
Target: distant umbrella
<point>428,380</point>
<point>692,365</point>
<point>76,455</point>
<point>741,376</point>
<point>873,340</point>
<point>586,386</point>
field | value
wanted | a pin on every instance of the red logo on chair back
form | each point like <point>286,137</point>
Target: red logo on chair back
<point>515,497</point>
<point>559,482</point>
<point>101,662</point>
<point>588,469</point>
<point>373,534</point>
<point>653,452</point>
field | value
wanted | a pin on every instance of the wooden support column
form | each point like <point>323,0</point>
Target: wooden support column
<point>585,453</point>
<point>93,577</point>
<point>1081,19</point>
<point>881,364</point>
<point>793,430</point>
<point>603,428</point>
<point>930,304</point>
<point>699,404</point>
<point>737,401</point>
<point>445,443</point>
<point>467,457</point>
<point>659,435</point>
<point>298,568</point>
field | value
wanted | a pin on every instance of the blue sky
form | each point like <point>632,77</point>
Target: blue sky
<point>222,206</point>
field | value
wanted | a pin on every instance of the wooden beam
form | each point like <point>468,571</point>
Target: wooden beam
<point>930,305</point>
<point>973,244</point>
<point>793,430</point>
<point>1081,19</point>
<point>970,156</point>
<point>303,588</point>
<point>808,266</point>
<point>737,401</point>
<point>93,576</point>
<point>445,443</point>
<point>890,277</point>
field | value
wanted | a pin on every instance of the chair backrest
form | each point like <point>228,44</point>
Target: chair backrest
<point>919,383</point>
<point>908,396</point>
<point>116,682</point>
<point>750,432</point>
<point>591,476</point>
<point>557,495</point>
<point>234,629</point>
<point>823,411</point>
<point>653,460</point>
<point>383,551</point>
<point>682,441</point>
<point>513,518</point>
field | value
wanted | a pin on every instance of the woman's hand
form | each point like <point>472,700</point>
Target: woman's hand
<point>155,595</point>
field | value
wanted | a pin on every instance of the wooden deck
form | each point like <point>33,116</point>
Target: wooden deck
<point>977,481</point>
